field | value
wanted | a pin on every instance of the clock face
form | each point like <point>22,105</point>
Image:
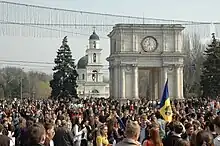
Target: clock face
<point>149,44</point>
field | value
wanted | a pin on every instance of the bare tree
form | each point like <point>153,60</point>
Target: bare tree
<point>192,64</point>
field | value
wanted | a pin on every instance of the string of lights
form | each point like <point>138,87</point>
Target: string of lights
<point>14,16</point>
<point>33,63</point>
<point>103,14</point>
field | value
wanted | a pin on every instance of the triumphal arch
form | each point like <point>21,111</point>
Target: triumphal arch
<point>153,51</point>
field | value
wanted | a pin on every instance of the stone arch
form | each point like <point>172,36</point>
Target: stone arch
<point>95,91</point>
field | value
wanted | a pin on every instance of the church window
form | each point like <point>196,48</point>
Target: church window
<point>115,46</point>
<point>95,76</point>
<point>94,44</point>
<point>94,57</point>
<point>83,76</point>
<point>95,91</point>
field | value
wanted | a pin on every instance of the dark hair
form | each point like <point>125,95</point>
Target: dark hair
<point>188,125</point>
<point>178,128</point>
<point>210,125</point>
<point>48,126</point>
<point>204,138</point>
<point>216,121</point>
<point>36,132</point>
<point>182,142</point>
<point>1,128</point>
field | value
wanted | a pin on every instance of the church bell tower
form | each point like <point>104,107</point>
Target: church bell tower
<point>94,65</point>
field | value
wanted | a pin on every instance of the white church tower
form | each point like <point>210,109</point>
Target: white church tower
<point>94,66</point>
<point>91,79</point>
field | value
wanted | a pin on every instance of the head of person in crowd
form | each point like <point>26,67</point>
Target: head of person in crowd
<point>143,120</point>
<point>189,129</point>
<point>169,127</point>
<point>58,123</point>
<point>96,119</point>
<point>126,113</point>
<point>22,122</point>
<point>204,138</point>
<point>216,123</point>
<point>178,128</point>
<point>49,127</point>
<point>183,142</point>
<point>37,134</point>
<point>103,131</point>
<point>197,125</point>
<point>155,136</point>
<point>132,130</point>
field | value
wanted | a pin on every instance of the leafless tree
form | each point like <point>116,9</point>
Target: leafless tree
<point>193,48</point>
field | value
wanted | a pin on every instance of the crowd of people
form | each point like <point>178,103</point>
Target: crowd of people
<point>104,122</point>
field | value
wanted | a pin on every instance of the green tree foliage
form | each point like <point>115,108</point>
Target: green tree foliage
<point>210,78</point>
<point>65,75</point>
<point>10,83</point>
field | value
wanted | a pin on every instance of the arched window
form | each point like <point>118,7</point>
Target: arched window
<point>94,57</point>
<point>95,76</point>
<point>95,91</point>
<point>94,44</point>
<point>83,76</point>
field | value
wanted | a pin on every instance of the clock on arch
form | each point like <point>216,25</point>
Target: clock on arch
<point>149,44</point>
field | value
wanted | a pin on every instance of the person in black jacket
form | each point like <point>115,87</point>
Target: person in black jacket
<point>63,136</point>
<point>36,135</point>
<point>174,137</point>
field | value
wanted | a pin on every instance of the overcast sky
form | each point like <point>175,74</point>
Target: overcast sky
<point>44,49</point>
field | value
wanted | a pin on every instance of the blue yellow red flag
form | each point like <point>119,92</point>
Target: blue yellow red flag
<point>165,105</point>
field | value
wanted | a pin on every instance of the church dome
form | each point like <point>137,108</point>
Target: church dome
<point>82,63</point>
<point>94,36</point>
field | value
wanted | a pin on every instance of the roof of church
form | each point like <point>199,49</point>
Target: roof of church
<point>82,63</point>
<point>94,36</point>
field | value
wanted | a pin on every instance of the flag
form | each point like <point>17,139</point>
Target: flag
<point>165,106</point>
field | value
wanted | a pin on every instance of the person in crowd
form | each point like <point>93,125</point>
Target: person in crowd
<point>209,126</point>
<point>102,117</point>
<point>204,138</point>
<point>175,137</point>
<point>78,130</point>
<point>132,133</point>
<point>144,130</point>
<point>189,131</point>
<point>63,136</point>
<point>49,127</point>
<point>102,138</point>
<point>183,142</point>
<point>155,139</point>
<point>36,135</point>
<point>4,140</point>
<point>216,123</point>
<point>195,114</point>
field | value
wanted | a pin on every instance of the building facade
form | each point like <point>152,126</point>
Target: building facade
<point>154,47</point>
<point>91,80</point>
